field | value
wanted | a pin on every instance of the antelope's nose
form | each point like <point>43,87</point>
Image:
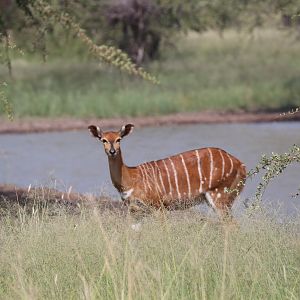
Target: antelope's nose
<point>112,151</point>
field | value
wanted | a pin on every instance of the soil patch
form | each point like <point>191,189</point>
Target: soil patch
<point>29,125</point>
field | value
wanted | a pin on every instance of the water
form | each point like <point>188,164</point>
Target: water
<point>76,159</point>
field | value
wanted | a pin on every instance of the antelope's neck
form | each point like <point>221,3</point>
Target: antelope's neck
<point>119,173</point>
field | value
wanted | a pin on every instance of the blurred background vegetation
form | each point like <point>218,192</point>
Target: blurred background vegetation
<point>208,55</point>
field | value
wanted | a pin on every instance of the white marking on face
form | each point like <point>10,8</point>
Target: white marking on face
<point>176,179</point>
<point>210,200</point>
<point>211,167</point>
<point>187,176</point>
<point>98,130</point>
<point>126,194</point>
<point>160,178</point>
<point>223,163</point>
<point>219,195</point>
<point>168,175</point>
<point>199,171</point>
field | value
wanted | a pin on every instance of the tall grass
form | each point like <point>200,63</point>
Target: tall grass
<point>206,72</point>
<point>96,255</point>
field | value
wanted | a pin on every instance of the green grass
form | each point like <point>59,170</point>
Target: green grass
<point>93,255</point>
<point>206,72</point>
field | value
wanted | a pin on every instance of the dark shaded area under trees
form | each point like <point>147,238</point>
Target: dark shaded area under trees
<point>139,27</point>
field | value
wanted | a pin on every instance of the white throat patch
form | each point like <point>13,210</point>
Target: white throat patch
<point>126,194</point>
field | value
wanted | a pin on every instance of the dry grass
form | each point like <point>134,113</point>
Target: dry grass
<point>95,254</point>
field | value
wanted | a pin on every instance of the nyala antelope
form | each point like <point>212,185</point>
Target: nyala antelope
<point>207,174</point>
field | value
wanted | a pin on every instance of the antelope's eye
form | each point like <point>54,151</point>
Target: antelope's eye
<point>104,141</point>
<point>118,140</point>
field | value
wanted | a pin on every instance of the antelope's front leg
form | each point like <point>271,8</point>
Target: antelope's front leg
<point>138,211</point>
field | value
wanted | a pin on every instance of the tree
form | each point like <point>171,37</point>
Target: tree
<point>40,15</point>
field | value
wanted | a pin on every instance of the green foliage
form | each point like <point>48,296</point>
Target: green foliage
<point>7,108</point>
<point>206,73</point>
<point>145,28</point>
<point>42,16</point>
<point>272,167</point>
<point>110,55</point>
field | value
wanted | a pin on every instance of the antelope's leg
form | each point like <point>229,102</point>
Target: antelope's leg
<point>221,199</point>
<point>218,202</point>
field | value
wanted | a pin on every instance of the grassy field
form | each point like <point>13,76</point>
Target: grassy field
<point>93,255</point>
<point>206,72</point>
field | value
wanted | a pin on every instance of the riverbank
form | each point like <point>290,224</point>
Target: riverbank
<point>29,125</point>
<point>13,197</point>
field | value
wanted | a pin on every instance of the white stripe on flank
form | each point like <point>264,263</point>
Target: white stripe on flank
<point>199,171</point>
<point>160,178</point>
<point>168,174</point>
<point>176,179</point>
<point>155,182</point>
<point>146,176</point>
<point>150,176</point>
<point>187,176</point>
<point>211,167</point>
<point>223,163</point>
<point>143,178</point>
<point>231,164</point>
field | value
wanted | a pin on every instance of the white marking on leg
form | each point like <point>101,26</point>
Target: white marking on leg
<point>210,200</point>
<point>168,174</point>
<point>223,163</point>
<point>126,194</point>
<point>231,164</point>
<point>187,176</point>
<point>160,178</point>
<point>176,179</point>
<point>211,167</point>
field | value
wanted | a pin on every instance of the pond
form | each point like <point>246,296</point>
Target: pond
<point>76,160</point>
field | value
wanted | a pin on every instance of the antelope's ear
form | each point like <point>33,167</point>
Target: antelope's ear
<point>95,131</point>
<point>126,129</point>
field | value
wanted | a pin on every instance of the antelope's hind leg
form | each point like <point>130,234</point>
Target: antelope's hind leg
<point>213,199</point>
<point>221,199</point>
